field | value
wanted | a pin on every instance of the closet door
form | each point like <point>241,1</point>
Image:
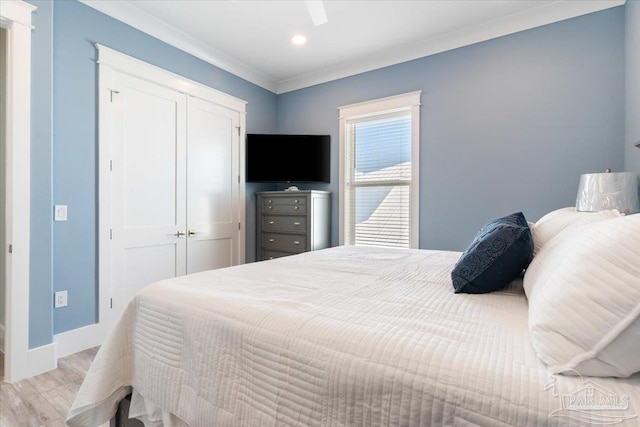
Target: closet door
<point>213,146</point>
<point>148,190</point>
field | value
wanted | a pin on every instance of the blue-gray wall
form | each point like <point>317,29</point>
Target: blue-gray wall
<point>632,110</point>
<point>73,150</point>
<point>505,125</point>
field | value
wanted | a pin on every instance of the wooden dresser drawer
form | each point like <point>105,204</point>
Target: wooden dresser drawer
<point>290,224</point>
<point>286,200</point>
<point>293,209</point>
<point>274,254</point>
<point>284,242</point>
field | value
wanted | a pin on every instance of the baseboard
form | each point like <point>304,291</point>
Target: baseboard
<point>41,359</point>
<point>80,339</point>
<point>1,338</point>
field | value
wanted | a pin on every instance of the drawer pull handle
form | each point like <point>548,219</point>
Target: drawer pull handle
<point>270,257</point>
<point>269,201</point>
<point>296,242</point>
<point>271,222</point>
<point>296,223</point>
<point>296,201</point>
<point>270,207</point>
<point>272,240</point>
<point>296,207</point>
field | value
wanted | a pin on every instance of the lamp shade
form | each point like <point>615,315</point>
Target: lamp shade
<point>602,191</point>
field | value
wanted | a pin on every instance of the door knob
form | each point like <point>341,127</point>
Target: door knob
<point>192,233</point>
<point>179,234</point>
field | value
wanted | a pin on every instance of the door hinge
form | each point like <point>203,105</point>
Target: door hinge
<point>111,94</point>
<point>111,165</point>
<point>110,302</point>
<point>111,234</point>
<point>238,127</point>
<point>238,226</point>
<point>10,249</point>
<point>238,179</point>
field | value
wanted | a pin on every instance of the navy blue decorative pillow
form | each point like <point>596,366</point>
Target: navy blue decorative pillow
<point>497,255</point>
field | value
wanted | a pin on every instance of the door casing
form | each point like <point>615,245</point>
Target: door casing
<point>15,17</point>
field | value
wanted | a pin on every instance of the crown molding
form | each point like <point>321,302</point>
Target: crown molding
<point>17,12</point>
<point>130,15</point>
<point>532,18</point>
<point>543,15</point>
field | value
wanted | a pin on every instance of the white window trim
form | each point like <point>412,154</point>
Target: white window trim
<point>390,104</point>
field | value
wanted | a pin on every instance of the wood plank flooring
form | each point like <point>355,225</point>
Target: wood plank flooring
<point>45,399</point>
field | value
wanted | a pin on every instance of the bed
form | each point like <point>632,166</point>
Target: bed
<point>347,336</point>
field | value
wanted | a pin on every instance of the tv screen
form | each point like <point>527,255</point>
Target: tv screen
<point>288,158</point>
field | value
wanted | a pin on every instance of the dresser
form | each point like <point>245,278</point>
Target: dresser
<point>291,222</point>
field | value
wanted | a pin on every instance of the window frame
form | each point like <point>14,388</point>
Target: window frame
<point>374,109</point>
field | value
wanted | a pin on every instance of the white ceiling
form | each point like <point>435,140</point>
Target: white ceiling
<point>252,39</point>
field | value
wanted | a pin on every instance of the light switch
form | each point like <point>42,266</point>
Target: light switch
<point>60,299</point>
<point>60,213</point>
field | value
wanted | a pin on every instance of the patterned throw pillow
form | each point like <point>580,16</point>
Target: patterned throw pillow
<point>501,250</point>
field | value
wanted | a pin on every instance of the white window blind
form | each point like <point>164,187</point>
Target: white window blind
<point>378,180</point>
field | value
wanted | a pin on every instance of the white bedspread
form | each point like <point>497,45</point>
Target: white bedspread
<point>340,337</point>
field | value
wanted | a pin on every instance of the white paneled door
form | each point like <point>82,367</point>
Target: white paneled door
<point>174,185</point>
<point>148,173</point>
<point>212,186</point>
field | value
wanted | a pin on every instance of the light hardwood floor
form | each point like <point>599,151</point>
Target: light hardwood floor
<point>45,399</point>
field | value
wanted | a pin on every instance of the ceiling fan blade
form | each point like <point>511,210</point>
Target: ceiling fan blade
<point>316,11</point>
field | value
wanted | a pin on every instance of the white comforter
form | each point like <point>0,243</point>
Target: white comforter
<point>340,337</point>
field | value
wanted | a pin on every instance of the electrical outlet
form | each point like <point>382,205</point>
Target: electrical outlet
<point>60,299</point>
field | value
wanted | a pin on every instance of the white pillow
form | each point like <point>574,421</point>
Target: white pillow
<point>559,220</point>
<point>584,299</point>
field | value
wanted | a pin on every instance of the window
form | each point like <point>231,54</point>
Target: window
<point>379,172</point>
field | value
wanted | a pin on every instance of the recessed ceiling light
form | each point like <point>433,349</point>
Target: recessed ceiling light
<point>298,40</point>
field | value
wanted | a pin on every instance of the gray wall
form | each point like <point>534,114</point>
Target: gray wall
<point>506,125</point>
<point>632,110</point>
<point>64,166</point>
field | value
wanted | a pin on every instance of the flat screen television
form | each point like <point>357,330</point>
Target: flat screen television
<point>288,158</point>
